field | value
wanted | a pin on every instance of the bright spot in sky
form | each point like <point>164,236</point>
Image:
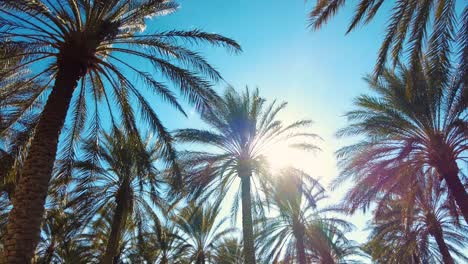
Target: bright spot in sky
<point>319,164</point>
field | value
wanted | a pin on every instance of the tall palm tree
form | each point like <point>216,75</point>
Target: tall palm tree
<point>393,241</point>
<point>436,218</point>
<point>15,95</point>
<point>127,184</point>
<point>408,215</point>
<point>229,251</point>
<point>421,128</point>
<point>84,45</point>
<point>402,228</point>
<point>159,243</point>
<point>329,241</point>
<point>293,235</point>
<point>201,231</point>
<point>97,237</point>
<point>61,241</point>
<point>242,127</point>
<point>414,26</point>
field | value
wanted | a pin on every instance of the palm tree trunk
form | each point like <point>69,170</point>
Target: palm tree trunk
<point>118,223</point>
<point>456,188</point>
<point>23,229</point>
<point>301,251</point>
<point>436,232</point>
<point>200,258</point>
<point>247,226</point>
<point>164,259</point>
<point>49,253</point>
<point>300,248</point>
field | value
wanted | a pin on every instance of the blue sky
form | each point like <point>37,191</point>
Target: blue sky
<point>317,72</point>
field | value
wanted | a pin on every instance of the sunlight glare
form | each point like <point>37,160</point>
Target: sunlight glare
<point>319,164</point>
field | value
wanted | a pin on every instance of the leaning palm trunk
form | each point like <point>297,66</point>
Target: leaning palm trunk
<point>25,218</point>
<point>247,227</point>
<point>449,172</point>
<point>458,191</point>
<point>118,224</point>
<point>444,251</point>
<point>436,231</point>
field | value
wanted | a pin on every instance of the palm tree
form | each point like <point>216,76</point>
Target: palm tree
<point>61,241</point>
<point>420,128</point>
<point>201,231</point>
<point>242,128</point>
<point>229,251</point>
<point>97,238</point>
<point>436,217</point>
<point>78,45</point>
<point>410,24</point>
<point>407,216</point>
<point>330,244</point>
<point>393,241</point>
<point>15,94</point>
<point>127,184</point>
<point>158,243</point>
<point>297,233</point>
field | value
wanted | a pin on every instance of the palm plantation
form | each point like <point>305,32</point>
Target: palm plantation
<point>83,42</point>
<point>117,147</point>
<point>242,127</point>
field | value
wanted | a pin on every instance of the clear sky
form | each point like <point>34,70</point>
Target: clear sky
<point>317,72</point>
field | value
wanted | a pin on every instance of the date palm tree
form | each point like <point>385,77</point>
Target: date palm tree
<point>421,128</point>
<point>297,234</point>
<point>158,243</point>
<point>126,186</point>
<point>241,128</point>
<point>97,237</point>
<point>407,215</point>
<point>330,244</point>
<point>15,94</point>
<point>61,240</point>
<point>201,231</point>
<point>414,27</point>
<point>402,227</point>
<point>229,251</point>
<point>83,47</point>
<point>393,241</point>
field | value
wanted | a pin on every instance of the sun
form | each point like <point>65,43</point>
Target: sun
<point>280,156</point>
<point>320,164</point>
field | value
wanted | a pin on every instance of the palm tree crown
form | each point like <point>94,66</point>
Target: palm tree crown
<point>416,226</point>
<point>242,127</point>
<point>127,185</point>
<point>201,231</point>
<point>303,231</point>
<point>406,126</point>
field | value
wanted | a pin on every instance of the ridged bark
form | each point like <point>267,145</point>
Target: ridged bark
<point>300,248</point>
<point>444,161</point>
<point>247,224</point>
<point>200,258</point>
<point>436,231</point>
<point>456,188</point>
<point>118,223</point>
<point>23,229</point>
